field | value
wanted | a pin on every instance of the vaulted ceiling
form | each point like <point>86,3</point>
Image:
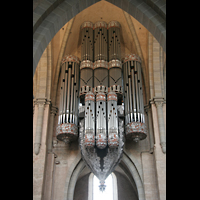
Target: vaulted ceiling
<point>49,16</point>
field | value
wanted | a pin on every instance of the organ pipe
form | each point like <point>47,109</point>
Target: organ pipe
<point>114,40</point>
<point>112,116</point>
<point>86,68</point>
<point>87,41</point>
<point>101,136</point>
<point>100,41</point>
<point>89,138</point>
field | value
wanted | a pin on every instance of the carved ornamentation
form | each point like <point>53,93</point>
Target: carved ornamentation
<point>136,131</point>
<point>104,165</point>
<point>67,132</point>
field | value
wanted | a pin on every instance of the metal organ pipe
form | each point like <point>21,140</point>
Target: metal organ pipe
<point>101,136</point>
<point>133,88</point>
<point>114,40</point>
<point>113,139</point>
<point>86,75</point>
<point>89,138</point>
<point>115,65</point>
<point>87,41</point>
<point>100,57</point>
<point>100,41</point>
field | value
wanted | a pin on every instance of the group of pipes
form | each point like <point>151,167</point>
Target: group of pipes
<point>101,84</point>
<point>99,80</point>
<point>133,94</point>
<point>69,90</point>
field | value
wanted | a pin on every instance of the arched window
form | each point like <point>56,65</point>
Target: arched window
<point>110,192</point>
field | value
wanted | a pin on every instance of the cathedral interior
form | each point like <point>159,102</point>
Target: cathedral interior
<point>99,99</point>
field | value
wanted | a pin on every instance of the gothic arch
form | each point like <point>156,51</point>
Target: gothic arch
<point>135,172</point>
<point>80,165</point>
<point>72,178</point>
<point>49,18</point>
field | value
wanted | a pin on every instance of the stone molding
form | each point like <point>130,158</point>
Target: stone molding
<point>158,101</point>
<point>53,110</point>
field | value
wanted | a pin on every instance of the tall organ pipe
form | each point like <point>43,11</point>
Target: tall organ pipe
<point>68,93</point>
<point>101,136</point>
<point>100,39</point>
<point>100,57</point>
<point>135,124</point>
<point>86,75</point>
<point>89,138</point>
<point>112,116</point>
<point>130,93</point>
<point>67,125</point>
<point>137,92</point>
<point>114,40</point>
<point>133,88</point>
<point>87,41</point>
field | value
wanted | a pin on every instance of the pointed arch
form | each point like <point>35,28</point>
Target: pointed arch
<point>133,167</point>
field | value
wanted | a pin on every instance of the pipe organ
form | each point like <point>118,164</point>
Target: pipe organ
<point>93,94</point>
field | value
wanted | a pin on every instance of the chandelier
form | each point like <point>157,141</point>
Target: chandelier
<point>101,98</point>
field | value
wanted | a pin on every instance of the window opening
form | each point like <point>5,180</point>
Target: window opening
<point>107,194</point>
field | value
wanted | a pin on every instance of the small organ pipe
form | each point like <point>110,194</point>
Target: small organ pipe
<point>140,92</point>
<point>68,93</point>
<point>130,93</point>
<point>61,94</point>
<point>133,91</point>
<point>72,92</point>
<point>136,88</point>
<point>100,43</point>
<point>65,91</point>
<point>127,89</point>
<point>141,96</point>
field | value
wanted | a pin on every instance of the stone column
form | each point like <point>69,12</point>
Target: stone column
<point>161,124</point>
<point>41,102</point>
<point>159,146</point>
<point>40,127</point>
<point>150,125</point>
<point>53,112</point>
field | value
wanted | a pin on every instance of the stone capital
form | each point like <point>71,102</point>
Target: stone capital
<point>53,110</point>
<point>158,101</point>
<point>147,107</point>
<point>40,101</point>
